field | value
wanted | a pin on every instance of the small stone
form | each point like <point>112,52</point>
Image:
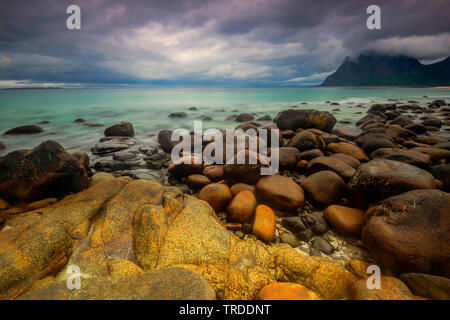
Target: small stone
<point>217,195</point>
<point>290,239</point>
<point>345,220</point>
<point>321,244</point>
<point>242,207</point>
<point>264,225</point>
<point>238,187</point>
<point>198,180</point>
<point>215,172</point>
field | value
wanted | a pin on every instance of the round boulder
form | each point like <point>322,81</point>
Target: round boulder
<point>323,188</point>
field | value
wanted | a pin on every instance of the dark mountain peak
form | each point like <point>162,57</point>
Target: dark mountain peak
<point>373,69</point>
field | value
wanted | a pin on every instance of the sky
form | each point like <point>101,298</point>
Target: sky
<point>195,43</point>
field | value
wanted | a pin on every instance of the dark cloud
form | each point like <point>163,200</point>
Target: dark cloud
<point>211,42</point>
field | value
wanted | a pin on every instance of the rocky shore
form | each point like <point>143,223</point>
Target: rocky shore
<point>141,227</point>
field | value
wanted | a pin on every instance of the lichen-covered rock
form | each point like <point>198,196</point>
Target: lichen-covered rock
<point>174,283</point>
<point>286,291</point>
<point>390,289</point>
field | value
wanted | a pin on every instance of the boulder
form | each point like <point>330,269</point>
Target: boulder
<point>305,118</point>
<point>197,180</point>
<point>26,129</point>
<point>43,172</point>
<point>178,115</point>
<point>186,166</point>
<point>416,128</point>
<point>348,149</point>
<point>250,171</point>
<point>331,164</point>
<point>346,133</point>
<point>311,154</point>
<point>427,286</point>
<point>436,154</point>
<point>214,172</point>
<point>323,188</point>
<point>244,117</point>
<point>281,191</point>
<point>411,232</point>
<point>174,283</point>
<point>380,179</point>
<point>390,289</point>
<point>165,142</point>
<point>407,156</point>
<point>112,144</point>
<point>122,129</point>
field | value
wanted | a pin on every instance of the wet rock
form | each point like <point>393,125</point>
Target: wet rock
<point>323,245</point>
<point>346,133</point>
<point>122,129</point>
<point>79,120</point>
<point>442,173</point>
<point>281,191</point>
<point>214,172</point>
<point>290,239</point>
<point>178,115</point>
<point>305,140</point>
<point>432,122</point>
<point>323,188</point>
<point>294,224</point>
<point>407,156</point>
<point>186,166</point>
<point>436,154</point>
<point>82,158</point>
<point>380,179</point>
<point>376,142</point>
<point>43,172</point>
<point>250,172</point>
<point>244,117</point>
<point>112,144</point>
<point>288,157</point>
<point>330,164</point>
<point>26,129</point>
<point>238,187</point>
<point>410,232</point>
<point>197,180</point>
<point>345,220</point>
<point>443,145</point>
<point>311,154</point>
<point>316,222</point>
<point>164,140</point>
<point>264,225</point>
<point>286,291</point>
<point>402,121</point>
<point>265,118</point>
<point>305,118</point>
<point>2,146</point>
<point>430,140</point>
<point>242,207</point>
<point>427,286</point>
<point>217,195</point>
<point>417,128</point>
<point>348,149</point>
<point>351,161</point>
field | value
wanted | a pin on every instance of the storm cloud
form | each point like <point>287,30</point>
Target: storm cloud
<point>207,43</point>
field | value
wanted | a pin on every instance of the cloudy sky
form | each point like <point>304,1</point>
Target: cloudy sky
<point>208,43</point>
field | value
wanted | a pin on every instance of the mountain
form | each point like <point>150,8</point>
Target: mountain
<point>371,69</point>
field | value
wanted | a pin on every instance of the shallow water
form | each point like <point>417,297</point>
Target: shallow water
<point>148,109</point>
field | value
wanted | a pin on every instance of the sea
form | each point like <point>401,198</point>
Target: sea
<point>148,109</point>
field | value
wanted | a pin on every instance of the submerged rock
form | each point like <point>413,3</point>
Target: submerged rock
<point>112,144</point>
<point>123,129</point>
<point>26,129</point>
<point>305,118</point>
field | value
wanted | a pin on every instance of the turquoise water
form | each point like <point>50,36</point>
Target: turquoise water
<point>148,109</point>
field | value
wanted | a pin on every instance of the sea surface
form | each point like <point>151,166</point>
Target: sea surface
<point>148,109</point>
